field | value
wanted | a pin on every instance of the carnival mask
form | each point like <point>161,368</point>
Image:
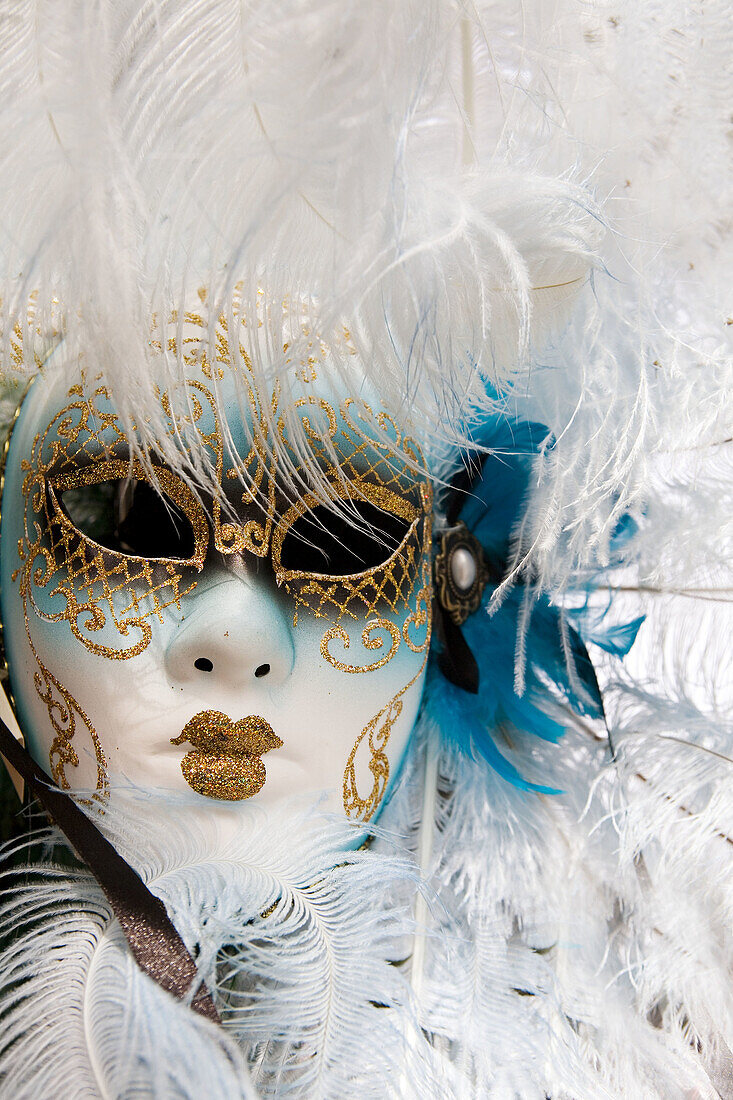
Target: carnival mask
<point>255,639</point>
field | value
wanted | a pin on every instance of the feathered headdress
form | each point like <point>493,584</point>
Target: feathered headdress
<point>520,216</point>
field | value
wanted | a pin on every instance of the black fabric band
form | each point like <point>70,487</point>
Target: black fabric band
<point>457,662</point>
<point>155,944</point>
<point>463,483</point>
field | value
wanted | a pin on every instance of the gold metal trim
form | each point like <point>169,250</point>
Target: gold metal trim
<point>457,603</point>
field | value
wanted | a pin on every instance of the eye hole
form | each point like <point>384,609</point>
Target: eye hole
<point>341,544</point>
<point>91,509</point>
<point>131,516</point>
<point>149,525</point>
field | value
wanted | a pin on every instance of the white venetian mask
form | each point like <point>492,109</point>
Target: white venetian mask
<point>246,644</point>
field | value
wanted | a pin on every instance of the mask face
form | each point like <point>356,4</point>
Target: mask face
<point>253,641</point>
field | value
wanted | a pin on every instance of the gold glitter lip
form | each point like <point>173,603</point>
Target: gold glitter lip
<point>226,760</point>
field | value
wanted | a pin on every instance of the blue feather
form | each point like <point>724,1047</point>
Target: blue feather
<point>495,503</point>
<point>556,653</point>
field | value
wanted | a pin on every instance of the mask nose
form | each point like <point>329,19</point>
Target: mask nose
<point>235,634</point>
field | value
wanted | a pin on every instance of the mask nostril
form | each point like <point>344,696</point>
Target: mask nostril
<point>203,664</point>
<point>262,670</point>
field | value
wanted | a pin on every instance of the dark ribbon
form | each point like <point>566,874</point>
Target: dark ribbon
<point>463,483</point>
<point>154,941</point>
<point>457,662</point>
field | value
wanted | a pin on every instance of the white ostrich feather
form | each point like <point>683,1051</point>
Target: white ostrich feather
<point>319,158</point>
<point>577,944</point>
<point>508,204</point>
<point>307,989</point>
<point>81,1020</point>
<point>561,953</point>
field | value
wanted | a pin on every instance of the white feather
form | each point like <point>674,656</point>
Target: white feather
<point>317,152</point>
<point>579,942</point>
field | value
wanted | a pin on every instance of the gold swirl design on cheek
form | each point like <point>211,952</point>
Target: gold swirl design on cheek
<point>368,641</point>
<point>377,732</point>
<point>63,713</point>
<point>95,621</point>
<point>378,729</point>
<point>63,709</point>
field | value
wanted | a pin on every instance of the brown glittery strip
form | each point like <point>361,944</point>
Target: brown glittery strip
<point>154,941</point>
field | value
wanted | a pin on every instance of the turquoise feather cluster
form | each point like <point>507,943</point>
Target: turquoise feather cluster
<point>558,673</point>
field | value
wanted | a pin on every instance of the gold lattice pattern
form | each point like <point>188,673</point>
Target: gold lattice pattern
<point>361,455</point>
<point>112,579</point>
<point>97,584</point>
<point>389,586</point>
<point>365,458</point>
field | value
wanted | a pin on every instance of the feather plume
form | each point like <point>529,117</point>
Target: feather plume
<point>285,927</point>
<point>314,165</point>
<point>576,945</point>
<point>519,211</point>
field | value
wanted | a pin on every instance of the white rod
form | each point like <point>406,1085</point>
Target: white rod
<point>424,856</point>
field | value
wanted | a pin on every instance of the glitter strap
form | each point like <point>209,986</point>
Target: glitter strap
<point>154,941</point>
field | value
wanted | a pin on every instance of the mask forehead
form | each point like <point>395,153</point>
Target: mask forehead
<point>271,462</point>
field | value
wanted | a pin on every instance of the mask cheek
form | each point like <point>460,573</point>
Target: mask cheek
<point>373,664</point>
<point>82,693</point>
<point>368,683</point>
<point>391,698</point>
<point>55,697</point>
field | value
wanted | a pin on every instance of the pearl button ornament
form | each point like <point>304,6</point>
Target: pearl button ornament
<point>463,569</point>
<point>461,573</point>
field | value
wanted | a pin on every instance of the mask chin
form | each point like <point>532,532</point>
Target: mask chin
<point>241,647</point>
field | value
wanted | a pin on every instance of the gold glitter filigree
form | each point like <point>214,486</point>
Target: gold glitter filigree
<point>361,457</point>
<point>377,732</point>
<point>356,594</point>
<point>364,457</point>
<point>368,641</point>
<point>5,673</point>
<point>118,469</point>
<point>258,466</point>
<point>96,584</point>
<point>63,711</point>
